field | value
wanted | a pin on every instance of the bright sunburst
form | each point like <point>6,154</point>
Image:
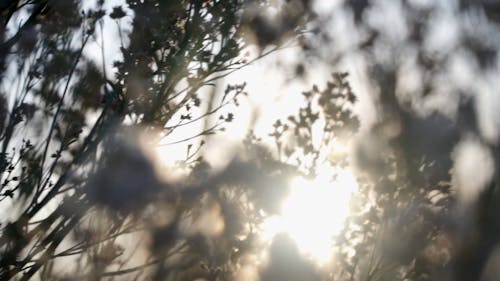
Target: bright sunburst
<point>314,212</point>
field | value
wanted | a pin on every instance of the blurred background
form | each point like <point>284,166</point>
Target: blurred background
<point>249,140</point>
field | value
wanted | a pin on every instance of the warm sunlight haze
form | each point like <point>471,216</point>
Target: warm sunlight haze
<point>314,212</point>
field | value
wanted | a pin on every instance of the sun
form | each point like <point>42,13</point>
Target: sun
<point>314,212</point>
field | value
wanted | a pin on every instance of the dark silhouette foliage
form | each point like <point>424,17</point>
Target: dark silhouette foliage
<point>84,196</point>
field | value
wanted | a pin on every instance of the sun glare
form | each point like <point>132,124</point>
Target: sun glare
<point>314,212</point>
